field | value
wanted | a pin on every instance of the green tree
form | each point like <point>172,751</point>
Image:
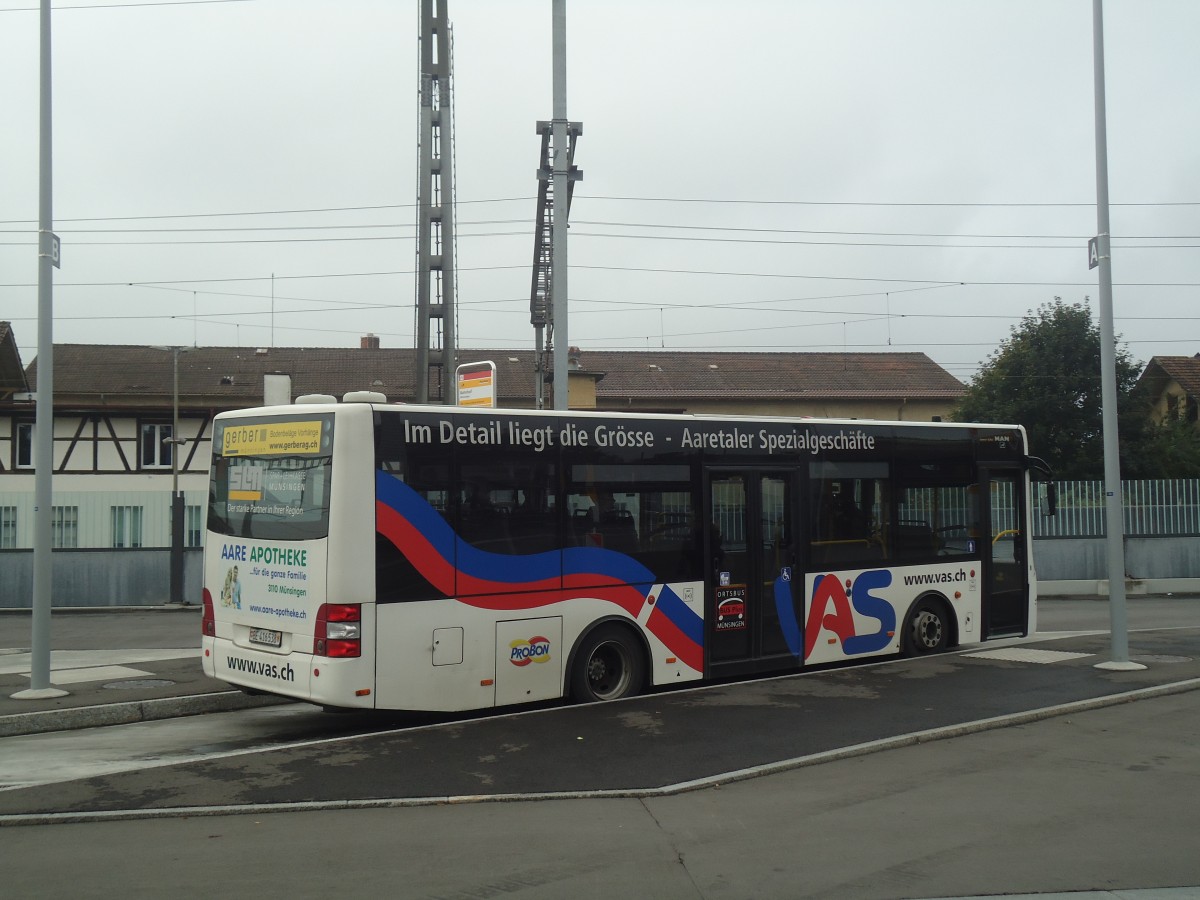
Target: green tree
<point>1046,376</point>
<point>1169,450</point>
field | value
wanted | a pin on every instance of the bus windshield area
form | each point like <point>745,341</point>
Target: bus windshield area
<point>281,498</point>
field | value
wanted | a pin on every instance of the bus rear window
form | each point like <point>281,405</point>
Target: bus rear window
<point>273,491</point>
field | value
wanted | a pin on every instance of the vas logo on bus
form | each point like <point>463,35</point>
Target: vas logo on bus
<point>828,592</point>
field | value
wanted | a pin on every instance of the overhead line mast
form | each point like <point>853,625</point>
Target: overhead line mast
<point>436,292</point>
<point>557,176</point>
<point>541,301</point>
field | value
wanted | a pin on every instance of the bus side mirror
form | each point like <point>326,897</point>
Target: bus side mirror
<point>1050,499</point>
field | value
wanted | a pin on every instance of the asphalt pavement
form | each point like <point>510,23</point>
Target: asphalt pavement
<point>678,749</point>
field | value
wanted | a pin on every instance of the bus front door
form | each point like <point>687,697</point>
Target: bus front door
<point>752,571</point>
<point>1005,568</point>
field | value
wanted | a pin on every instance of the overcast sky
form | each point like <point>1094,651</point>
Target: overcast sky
<point>858,175</point>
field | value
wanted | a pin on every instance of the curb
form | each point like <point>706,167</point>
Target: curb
<point>128,713</point>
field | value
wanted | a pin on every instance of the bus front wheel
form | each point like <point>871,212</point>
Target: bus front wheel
<point>927,630</point>
<point>608,665</point>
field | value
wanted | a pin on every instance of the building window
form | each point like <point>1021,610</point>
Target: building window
<point>156,447</point>
<point>126,526</point>
<point>192,530</point>
<point>8,527</point>
<point>64,526</point>
<point>24,457</point>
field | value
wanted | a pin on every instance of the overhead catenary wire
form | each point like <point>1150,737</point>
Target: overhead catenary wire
<point>731,234</point>
<point>737,229</point>
<point>125,5</point>
<point>688,200</point>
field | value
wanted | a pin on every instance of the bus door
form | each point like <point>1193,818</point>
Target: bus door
<point>752,572</point>
<point>1005,568</point>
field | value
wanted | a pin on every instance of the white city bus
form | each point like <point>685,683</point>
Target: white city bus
<point>372,555</point>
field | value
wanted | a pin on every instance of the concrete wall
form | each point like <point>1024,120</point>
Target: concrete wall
<point>1082,559</point>
<point>100,577</point>
<point>1079,566</point>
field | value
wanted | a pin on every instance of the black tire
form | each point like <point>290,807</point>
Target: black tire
<point>927,629</point>
<point>608,665</point>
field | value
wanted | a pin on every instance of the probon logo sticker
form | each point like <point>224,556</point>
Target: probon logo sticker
<point>536,649</point>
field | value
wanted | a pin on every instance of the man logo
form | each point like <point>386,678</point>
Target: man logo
<point>536,649</point>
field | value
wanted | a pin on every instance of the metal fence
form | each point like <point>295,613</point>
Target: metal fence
<point>1158,508</point>
<point>83,520</point>
<point>1161,508</point>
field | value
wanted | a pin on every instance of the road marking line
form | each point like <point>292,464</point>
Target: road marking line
<point>1027,655</point>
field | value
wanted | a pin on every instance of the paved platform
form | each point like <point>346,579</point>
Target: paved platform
<point>661,743</point>
<point>943,772</point>
<point>118,666</point>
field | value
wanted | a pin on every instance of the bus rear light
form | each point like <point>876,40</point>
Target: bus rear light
<point>338,632</point>
<point>208,618</point>
<point>339,649</point>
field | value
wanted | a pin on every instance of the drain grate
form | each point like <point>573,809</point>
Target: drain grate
<point>1027,655</point>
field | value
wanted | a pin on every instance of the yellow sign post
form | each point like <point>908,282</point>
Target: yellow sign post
<point>477,384</point>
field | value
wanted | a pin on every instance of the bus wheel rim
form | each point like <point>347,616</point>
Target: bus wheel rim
<point>927,628</point>
<point>608,670</point>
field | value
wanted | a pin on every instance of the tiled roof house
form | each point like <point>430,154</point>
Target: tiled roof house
<point>1173,385</point>
<point>12,373</point>
<point>860,385</point>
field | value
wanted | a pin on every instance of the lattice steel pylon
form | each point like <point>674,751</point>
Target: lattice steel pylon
<point>436,295</point>
<point>541,302</point>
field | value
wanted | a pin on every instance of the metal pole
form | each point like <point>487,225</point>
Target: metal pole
<point>175,420</point>
<point>43,537</point>
<point>560,173</point>
<point>177,510</point>
<point>1115,528</point>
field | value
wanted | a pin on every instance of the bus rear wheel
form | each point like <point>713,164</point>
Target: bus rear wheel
<point>608,666</point>
<point>927,630</point>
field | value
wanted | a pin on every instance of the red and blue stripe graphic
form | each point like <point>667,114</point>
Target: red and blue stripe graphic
<point>500,581</point>
<point>676,624</point>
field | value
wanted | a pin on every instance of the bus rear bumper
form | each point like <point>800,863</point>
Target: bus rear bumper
<point>344,683</point>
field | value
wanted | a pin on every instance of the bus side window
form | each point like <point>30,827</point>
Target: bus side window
<point>532,523</point>
<point>508,506</point>
<point>850,514</point>
<point>644,516</point>
<point>618,530</point>
<point>937,512</point>
<point>583,523</point>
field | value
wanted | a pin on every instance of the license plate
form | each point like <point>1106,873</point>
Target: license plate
<point>266,636</point>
